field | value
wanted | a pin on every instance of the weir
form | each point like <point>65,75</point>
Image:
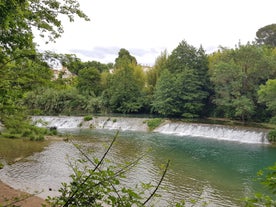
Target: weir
<point>220,132</point>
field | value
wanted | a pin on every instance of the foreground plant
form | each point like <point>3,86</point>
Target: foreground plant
<point>96,182</point>
<point>267,177</point>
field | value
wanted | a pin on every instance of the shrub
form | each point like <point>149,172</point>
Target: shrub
<point>88,118</point>
<point>267,178</point>
<point>154,123</point>
<point>272,135</point>
<point>273,120</point>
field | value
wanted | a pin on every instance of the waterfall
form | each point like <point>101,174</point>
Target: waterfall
<point>230,133</point>
<point>240,134</point>
<point>111,123</point>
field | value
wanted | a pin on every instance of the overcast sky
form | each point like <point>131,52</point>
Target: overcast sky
<point>147,27</point>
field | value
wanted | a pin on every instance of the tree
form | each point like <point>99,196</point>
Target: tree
<point>125,86</point>
<point>267,95</point>
<point>164,95</point>
<point>72,62</point>
<point>236,75</point>
<point>188,83</point>
<point>178,95</point>
<point>124,58</point>
<point>18,17</point>
<point>267,35</point>
<point>154,73</point>
<point>20,63</point>
<point>89,82</point>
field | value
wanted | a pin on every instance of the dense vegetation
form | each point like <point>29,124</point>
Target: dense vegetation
<point>234,83</point>
<point>231,83</point>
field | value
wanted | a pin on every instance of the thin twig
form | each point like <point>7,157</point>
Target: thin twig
<point>164,173</point>
<point>106,152</point>
<point>96,167</point>
<point>85,155</point>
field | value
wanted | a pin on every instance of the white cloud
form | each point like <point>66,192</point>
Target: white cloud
<point>147,27</point>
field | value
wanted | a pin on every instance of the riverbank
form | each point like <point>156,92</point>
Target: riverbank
<point>8,195</point>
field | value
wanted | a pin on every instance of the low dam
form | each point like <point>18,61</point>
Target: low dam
<point>230,133</point>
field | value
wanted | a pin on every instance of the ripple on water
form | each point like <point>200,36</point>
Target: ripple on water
<point>211,171</point>
<point>44,170</point>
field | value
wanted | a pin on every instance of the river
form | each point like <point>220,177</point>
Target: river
<point>203,171</point>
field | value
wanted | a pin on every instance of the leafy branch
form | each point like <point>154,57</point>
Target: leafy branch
<point>98,186</point>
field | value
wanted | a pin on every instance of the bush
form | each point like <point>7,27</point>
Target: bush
<point>20,126</point>
<point>273,120</point>
<point>49,101</point>
<point>272,135</point>
<point>267,178</point>
<point>154,123</point>
<point>88,118</point>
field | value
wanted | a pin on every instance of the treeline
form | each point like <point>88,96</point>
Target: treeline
<point>237,83</point>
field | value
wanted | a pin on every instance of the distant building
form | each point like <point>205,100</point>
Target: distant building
<point>62,72</point>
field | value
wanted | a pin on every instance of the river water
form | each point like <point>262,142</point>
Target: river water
<point>205,171</point>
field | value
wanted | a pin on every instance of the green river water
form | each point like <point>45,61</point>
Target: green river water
<point>207,171</point>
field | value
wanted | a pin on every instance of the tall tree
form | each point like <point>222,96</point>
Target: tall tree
<point>267,95</point>
<point>124,58</point>
<point>125,88</point>
<point>89,80</point>
<point>189,67</point>
<point>18,18</point>
<point>267,35</point>
<point>236,75</point>
<point>154,73</point>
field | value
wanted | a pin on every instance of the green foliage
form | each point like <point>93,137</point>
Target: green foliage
<point>50,101</point>
<point>124,92</point>
<point>267,35</point>
<point>154,123</point>
<point>96,182</point>
<point>18,18</point>
<point>236,75</point>
<point>272,135</point>
<point>19,126</point>
<point>154,73</point>
<point>88,118</point>
<point>267,177</point>
<point>22,68</point>
<point>183,88</point>
<point>273,120</point>
<point>89,82</point>
<point>124,58</point>
<point>267,94</point>
<point>178,94</point>
<point>1,165</point>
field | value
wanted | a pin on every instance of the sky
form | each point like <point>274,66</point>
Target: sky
<point>148,27</point>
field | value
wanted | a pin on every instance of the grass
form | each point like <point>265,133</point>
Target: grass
<point>88,118</point>
<point>154,123</point>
